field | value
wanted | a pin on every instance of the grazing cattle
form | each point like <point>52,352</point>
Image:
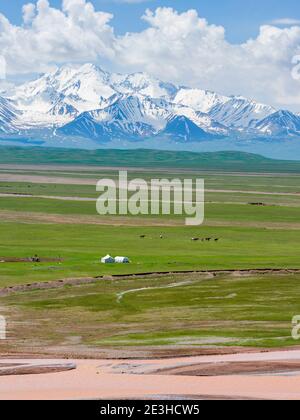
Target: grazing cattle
<point>208,239</point>
<point>195,239</point>
<point>257,204</point>
<point>143,236</point>
<point>161,237</point>
<point>217,240</point>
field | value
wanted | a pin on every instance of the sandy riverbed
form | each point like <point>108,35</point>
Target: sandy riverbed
<point>116,379</point>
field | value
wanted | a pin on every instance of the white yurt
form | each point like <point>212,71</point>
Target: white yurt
<point>122,260</point>
<point>107,260</point>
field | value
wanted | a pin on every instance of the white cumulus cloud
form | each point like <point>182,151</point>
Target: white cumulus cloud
<point>187,49</point>
<point>179,47</point>
<point>49,35</point>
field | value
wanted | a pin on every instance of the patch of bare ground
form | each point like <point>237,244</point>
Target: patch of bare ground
<point>122,354</point>
<point>29,260</point>
<point>43,179</point>
<point>34,368</point>
<point>234,368</point>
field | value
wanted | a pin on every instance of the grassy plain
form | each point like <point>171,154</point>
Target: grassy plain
<point>182,313</point>
<point>82,246</point>
<point>226,310</point>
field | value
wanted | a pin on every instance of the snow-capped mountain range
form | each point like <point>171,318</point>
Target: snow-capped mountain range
<point>88,103</point>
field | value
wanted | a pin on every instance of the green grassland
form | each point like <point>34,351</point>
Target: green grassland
<point>179,312</point>
<point>214,211</point>
<point>250,236</point>
<point>81,247</point>
<point>279,184</point>
<point>226,310</point>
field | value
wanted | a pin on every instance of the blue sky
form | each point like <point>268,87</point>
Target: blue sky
<point>241,19</point>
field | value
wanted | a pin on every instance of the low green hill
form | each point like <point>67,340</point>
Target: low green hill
<point>223,161</point>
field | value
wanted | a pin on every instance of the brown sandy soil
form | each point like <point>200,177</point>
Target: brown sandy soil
<point>96,379</point>
<point>27,368</point>
<point>6,365</point>
<point>231,368</point>
<point>219,364</point>
<point>123,354</point>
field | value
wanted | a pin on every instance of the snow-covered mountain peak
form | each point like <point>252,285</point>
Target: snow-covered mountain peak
<point>239,112</point>
<point>88,83</point>
<point>144,84</point>
<point>66,73</point>
<point>55,98</point>
<point>198,99</point>
<point>280,123</point>
<point>89,102</point>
